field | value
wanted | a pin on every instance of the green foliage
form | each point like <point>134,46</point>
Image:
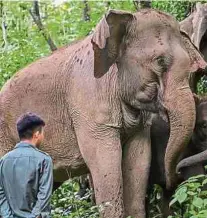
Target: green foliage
<point>25,43</point>
<point>64,23</point>
<point>190,198</point>
<point>155,202</point>
<point>202,86</point>
<point>66,203</point>
<point>179,9</point>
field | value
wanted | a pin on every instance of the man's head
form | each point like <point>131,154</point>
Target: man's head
<point>30,128</point>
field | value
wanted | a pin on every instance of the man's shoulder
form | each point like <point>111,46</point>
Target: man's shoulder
<point>7,155</point>
<point>43,154</point>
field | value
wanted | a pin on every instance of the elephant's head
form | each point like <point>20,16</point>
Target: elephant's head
<point>154,59</point>
<point>195,26</point>
<point>199,138</point>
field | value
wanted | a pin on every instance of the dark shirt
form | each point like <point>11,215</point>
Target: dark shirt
<point>26,180</point>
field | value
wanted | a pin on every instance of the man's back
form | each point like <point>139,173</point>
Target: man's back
<point>24,175</point>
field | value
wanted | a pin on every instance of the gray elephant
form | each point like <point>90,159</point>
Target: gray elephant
<point>98,97</point>
<point>160,132</point>
<point>199,138</point>
<point>195,26</point>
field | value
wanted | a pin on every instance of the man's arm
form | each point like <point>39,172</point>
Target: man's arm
<point>5,210</point>
<point>41,208</point>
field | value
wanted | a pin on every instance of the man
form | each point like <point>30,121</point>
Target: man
<point>26,173</point>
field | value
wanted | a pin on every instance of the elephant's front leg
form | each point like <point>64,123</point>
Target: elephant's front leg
<point>101,150</point>
<point>136,165</point>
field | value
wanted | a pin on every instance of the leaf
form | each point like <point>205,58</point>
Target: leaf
<point>197,202</point>
<point>181,190</point>
<point>204,182</point>
<point>172,202</point>
<point>191,193</point>
<point>181,198</point>
<point>205,202</point>
<point>203,194</point>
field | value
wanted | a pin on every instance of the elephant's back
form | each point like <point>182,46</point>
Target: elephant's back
<point>33,89</point>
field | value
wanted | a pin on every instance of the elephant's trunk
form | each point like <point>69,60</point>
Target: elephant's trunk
<point>193,160</point>
<point>180,105</point>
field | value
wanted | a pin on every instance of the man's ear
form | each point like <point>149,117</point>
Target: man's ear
<point>107,38</point>
<point>36,134</point>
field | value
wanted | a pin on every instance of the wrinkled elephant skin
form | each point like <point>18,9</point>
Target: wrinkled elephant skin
<point>160,132</point>
<point>98,97</point>
<point>195,26</point>
<point>199,139</point>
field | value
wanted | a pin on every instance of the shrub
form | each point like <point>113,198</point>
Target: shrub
<point>190,198</point>
<point>67,203</point>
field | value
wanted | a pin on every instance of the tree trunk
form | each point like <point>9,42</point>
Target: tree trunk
<point>107,3</point>
<point>86,15</point>
<point>3,26</point>
<point>139,4</point>
<point>35,13</point>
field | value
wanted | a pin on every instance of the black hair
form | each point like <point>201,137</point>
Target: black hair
<point>28,124</point>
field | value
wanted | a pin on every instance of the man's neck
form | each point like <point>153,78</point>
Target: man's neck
<point>31,142</point>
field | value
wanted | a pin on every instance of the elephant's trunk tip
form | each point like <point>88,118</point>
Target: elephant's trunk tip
<point>192,160</point>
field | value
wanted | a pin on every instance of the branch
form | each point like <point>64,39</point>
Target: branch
<point>1,8</point>
<point>146,4</point>
<point>86,15</point>
<point>138,4</point>
<point>3,26</point>
<point>107,3</point>
<point>35,13</point>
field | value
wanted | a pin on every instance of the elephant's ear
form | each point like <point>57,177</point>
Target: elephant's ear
<point>107,38</point>
<point>197,62</point>
<point>195,25</point>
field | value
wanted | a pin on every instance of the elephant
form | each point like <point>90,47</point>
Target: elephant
<point>131,67</point>
<point>199,138</point>
<point>195,26</point>
<point>160,131</point>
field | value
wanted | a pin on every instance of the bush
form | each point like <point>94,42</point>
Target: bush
<point>202,86</point>
<point>67,203</point>
<point>190,198</point>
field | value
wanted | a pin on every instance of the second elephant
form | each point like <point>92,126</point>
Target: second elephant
<point>159,136</point>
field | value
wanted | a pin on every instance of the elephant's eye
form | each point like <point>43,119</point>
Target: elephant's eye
<point>161,61</point>
<point>161,64</point>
